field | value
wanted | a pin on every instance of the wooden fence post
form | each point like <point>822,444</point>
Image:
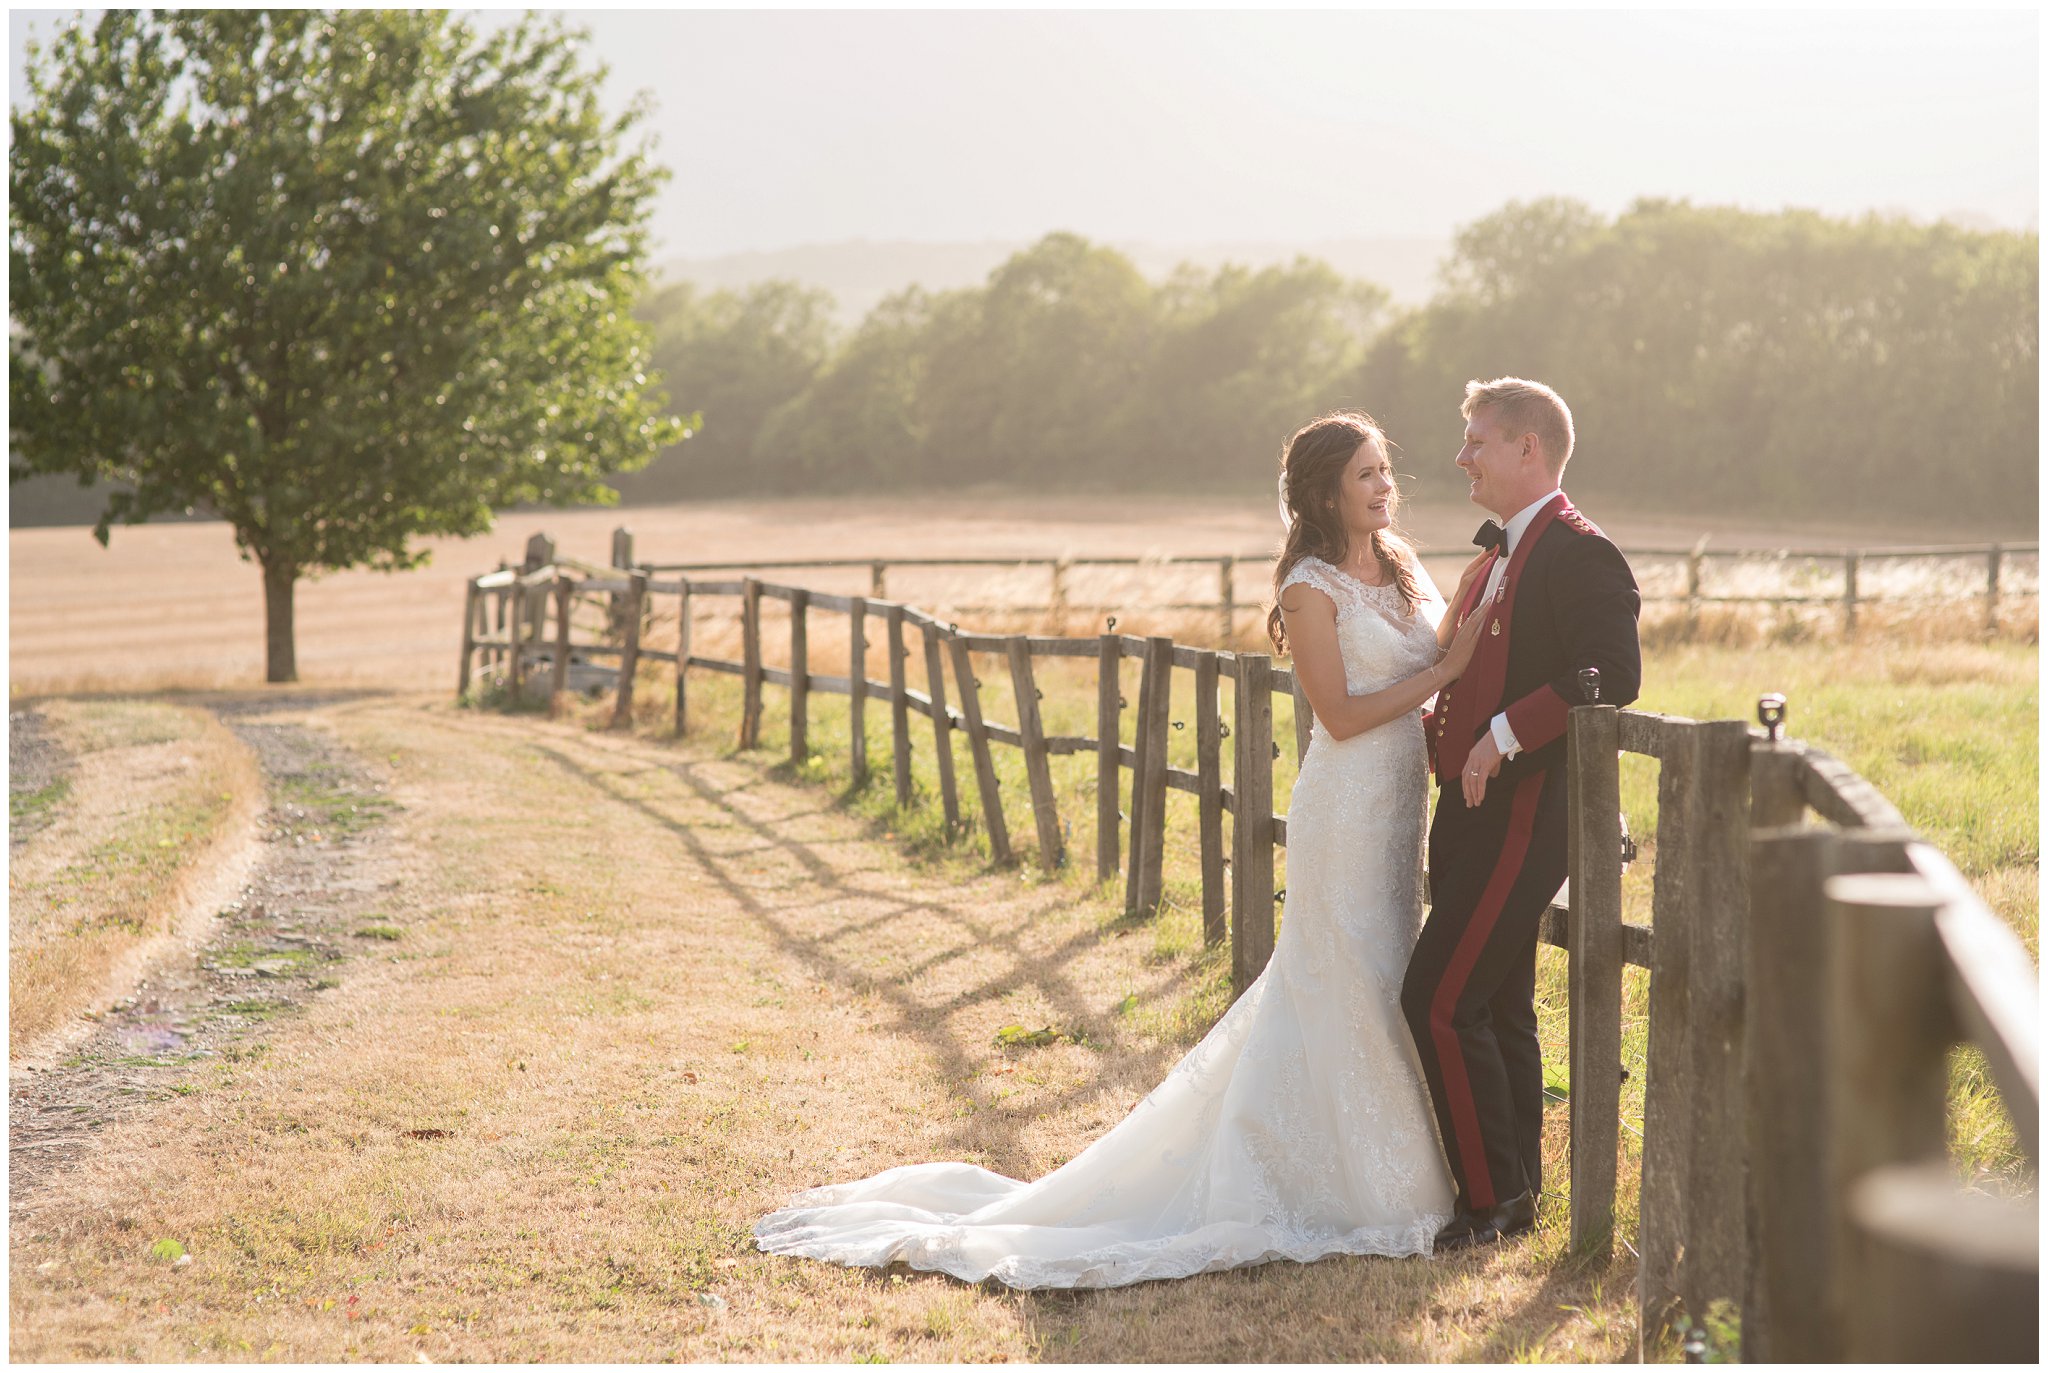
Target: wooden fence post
<point>750,662</point>
<point>899,704</point>
<point>1790,1315</point>
<point>1148,779</point>
<point>682,656</point>
<point>1058,608</point>
<point>470,603</point>
<point>564,594</point>
<point>942,728</point>
<point>1037,765</point>
<point>622,559</point>
<point>1852,564</point>
<point>1209,771</point>
<point>799,677</point>
<point>1667,1114</point>
<point>1891,1028</point>
<point>1226,578</point>
<point>878,580</point>
<point>1946,1276</point>
<point>1251,903</point>
<point>496,612</point>
<point>1109,703</point>
<point>857,688</point>
<point>1783,1312</point>
<point>984,761</point>
<point>1593,743</point>
<point>1716,1261</point>
<point>629,664</point>
<point>515,636</point>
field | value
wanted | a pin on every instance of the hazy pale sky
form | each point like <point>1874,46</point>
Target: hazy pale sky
<point>797,127</point>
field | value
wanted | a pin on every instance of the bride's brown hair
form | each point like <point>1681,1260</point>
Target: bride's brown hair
<point>1311,466</point>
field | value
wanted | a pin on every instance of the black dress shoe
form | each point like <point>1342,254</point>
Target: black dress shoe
<point>1515,1216</point>
<point>1458,1233</point>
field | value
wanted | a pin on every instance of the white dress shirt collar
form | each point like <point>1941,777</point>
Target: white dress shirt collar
<point>1524,517</point>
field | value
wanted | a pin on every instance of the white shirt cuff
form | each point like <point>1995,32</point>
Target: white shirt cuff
<point>1504,738</point>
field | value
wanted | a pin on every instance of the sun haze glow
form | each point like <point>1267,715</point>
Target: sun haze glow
<point>787,128</point>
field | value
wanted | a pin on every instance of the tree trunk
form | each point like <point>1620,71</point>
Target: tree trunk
<point>281,656</point>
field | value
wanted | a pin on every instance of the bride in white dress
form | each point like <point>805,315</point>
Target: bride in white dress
<point>1300,1126</point>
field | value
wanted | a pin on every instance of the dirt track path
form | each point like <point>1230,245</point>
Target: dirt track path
<point>324,859</point>
<point>638,994</point>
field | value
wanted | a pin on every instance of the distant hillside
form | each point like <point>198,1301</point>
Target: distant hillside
<point>860,274</point>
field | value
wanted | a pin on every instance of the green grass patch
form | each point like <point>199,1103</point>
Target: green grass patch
<point>34,808</point>
<point>330,802</point>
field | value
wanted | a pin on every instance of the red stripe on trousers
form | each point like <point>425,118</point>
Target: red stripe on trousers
<point>1457,1086</point>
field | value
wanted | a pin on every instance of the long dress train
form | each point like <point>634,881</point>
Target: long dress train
<point>1299,1127</point>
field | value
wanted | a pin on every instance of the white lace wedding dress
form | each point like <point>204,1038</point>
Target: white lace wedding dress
<point>1299,1127</point>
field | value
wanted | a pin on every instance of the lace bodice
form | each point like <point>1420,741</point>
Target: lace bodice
<point>1381,642</point>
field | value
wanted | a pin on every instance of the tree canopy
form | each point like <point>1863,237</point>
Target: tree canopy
<point>1784,363</point>
<point>341,279</point>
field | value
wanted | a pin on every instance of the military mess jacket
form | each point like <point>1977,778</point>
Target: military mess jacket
<point>1568,602</point>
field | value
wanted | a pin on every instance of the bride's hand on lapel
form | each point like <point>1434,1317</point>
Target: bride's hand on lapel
<point>1473,571</point>
<point>1458,653</point>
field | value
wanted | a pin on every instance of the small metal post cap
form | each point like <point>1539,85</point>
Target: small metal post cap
<point>1589,685</point>
<point>1770,713</point>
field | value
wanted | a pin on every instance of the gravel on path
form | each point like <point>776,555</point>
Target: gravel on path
<point>287,937</point>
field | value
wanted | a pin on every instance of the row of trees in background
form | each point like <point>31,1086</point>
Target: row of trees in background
<point>1785,363</point>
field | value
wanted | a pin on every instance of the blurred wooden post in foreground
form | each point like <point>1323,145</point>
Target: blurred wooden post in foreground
<point>1593,742</point>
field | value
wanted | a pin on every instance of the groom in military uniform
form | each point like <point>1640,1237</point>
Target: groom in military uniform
<point>1559,598</point>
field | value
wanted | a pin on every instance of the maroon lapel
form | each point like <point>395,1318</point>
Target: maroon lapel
<point>1478,695</point>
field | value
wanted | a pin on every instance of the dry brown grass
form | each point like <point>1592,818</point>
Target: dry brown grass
<point>650,992</point>
<point>170,606</point>
<point>159,793</point>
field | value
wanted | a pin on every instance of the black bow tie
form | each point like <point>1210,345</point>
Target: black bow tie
<point>1491,535</point>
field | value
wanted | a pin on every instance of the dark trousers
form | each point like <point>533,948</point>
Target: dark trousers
<point>1469,995</point>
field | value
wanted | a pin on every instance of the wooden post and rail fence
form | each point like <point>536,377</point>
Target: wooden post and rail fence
<point>1810,960</point>
<point>1701,591</point>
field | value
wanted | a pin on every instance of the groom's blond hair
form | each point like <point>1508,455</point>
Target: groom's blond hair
<point>1525,407</point>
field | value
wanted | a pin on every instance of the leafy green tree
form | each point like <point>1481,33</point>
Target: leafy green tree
<point>739,356</point>
<point>1245,357</point>
<point>862,422</point>
<point>338,279</point>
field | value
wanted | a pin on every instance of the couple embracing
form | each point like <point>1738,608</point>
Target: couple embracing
<point>1379,1088</point>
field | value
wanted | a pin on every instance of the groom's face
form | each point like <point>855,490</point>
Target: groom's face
<point>1498,465</point>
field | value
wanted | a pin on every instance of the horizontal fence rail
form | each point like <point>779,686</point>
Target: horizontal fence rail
<point>1695,578</point>
<point>1809,960</point>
